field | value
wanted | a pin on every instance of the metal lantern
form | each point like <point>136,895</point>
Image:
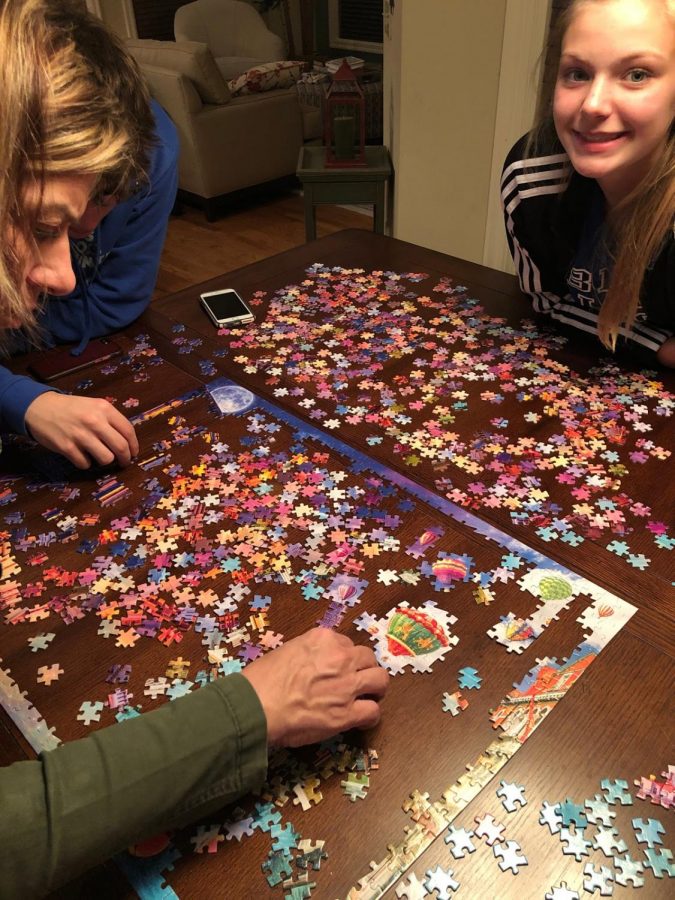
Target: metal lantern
<point>345,120</point>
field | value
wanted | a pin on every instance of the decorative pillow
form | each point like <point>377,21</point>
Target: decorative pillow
<point>190,58</point>
<point>232,67</point>
<point>267,77</point>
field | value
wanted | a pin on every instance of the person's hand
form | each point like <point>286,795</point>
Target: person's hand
<point>317,685</point>
<point>82,429</point>
<point>666,353</point>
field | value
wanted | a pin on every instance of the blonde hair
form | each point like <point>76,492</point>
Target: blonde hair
<point>639,224</point>
<point>72,102</point>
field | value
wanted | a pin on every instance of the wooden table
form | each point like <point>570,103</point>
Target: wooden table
<point>348,184</point>
<point>615,723</point>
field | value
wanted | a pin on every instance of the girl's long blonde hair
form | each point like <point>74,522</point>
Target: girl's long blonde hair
<point>639,224</point>
<point>71,102</point>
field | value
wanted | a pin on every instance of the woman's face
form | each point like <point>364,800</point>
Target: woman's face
<point>614,100</point>
<point>46,266</point>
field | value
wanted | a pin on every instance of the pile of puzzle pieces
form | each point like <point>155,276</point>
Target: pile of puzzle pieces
<point>583,828</point>
<point>324,343</point>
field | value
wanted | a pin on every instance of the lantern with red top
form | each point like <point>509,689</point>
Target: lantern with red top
<point>344,120</point>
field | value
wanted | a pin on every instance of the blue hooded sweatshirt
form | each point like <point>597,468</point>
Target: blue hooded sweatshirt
<point>116,271</point>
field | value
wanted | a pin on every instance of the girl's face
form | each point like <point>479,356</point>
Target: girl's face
<point>614,101</point>
<point>46,266</point>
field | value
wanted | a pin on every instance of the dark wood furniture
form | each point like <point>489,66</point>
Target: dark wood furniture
<point>616,722</point>
<point>365,184</point>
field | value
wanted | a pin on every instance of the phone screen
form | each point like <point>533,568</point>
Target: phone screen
<point>226,305</point>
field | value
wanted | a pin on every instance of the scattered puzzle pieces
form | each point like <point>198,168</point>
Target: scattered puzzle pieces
<point>550,815</point>
<point>599,811</point>
<point>48,674</point>
<point>598,880</point>
<point>510,856</point>
<point>658,792</point>
<point>561,892</point>
<point>572,813</point>
<point>277,867</point>
<point>627,871</point>
<point>460,841</point>
<point>454,703</point>
<point>311,855</point>
<point>488,828</point>
<point>284,838</point>
<point>300,889</point>
<point>574,844</point>
<point>412,889</point>
<point>608,841</point>
<point>648,832</point>
<point>512,795</point>
<point>616,792</point>
<point>469,679</point>
<point>660,862</point>
<point>207,838</point>
<point>90,711</point>
<point>441,880</point>
<point>40,641</point>
<point>356,786</point>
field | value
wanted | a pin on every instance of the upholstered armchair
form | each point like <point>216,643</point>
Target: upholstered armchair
<point>227,142</point>
<point>234,32</point>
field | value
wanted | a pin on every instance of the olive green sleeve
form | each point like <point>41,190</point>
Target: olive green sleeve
<point>83,802</point>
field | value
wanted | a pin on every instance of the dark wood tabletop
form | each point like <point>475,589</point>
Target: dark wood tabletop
<point>381,542</point>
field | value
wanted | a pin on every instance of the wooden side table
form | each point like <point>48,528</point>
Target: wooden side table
<point>365,184</point>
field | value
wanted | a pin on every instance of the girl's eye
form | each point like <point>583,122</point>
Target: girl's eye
<point>573,76</point>
<point>638,76</point>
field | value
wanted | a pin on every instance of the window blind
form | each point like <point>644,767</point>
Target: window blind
<point>361,20</point>
<point>155,20</point>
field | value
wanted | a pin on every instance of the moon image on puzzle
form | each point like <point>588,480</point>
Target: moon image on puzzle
<point>230,398</point>
<point>416,637</point>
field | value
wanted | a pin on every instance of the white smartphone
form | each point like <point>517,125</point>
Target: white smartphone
<point>225,308</point>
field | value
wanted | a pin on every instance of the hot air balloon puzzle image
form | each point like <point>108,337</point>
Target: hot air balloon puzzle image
<point>346,589</point>
<point>425,541</point>
<point>410,636</point>
<point>556,592</point>
<point>603,618</point>
<point>448,570</point>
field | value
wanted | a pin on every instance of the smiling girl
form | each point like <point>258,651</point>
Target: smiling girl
<point>589,194</point>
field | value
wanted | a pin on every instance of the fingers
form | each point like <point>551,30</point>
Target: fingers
<point>367,714</point>
<point>364,657</point>
<point>73,453</point>
<point>116,439</point>
<point>82,429</point>
<point>372,682</point>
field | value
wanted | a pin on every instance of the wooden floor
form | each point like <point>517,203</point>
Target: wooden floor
<point>253,230</point>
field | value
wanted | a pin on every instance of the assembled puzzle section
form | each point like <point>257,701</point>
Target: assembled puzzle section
<point>413,368</point>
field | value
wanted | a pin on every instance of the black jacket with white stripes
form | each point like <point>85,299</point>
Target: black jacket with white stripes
<point>553,223</point>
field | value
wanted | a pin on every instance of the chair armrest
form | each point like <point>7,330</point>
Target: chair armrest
<point>175,92</point>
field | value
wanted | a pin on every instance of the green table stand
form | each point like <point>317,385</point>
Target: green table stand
<point>362,184</point>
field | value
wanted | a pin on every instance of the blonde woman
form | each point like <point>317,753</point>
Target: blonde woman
<point>79,804</point>
<point>116,247</point>
<point>589,195</point>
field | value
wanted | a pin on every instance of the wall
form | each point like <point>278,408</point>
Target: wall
<point>442,66</point>
<point>117,14</point>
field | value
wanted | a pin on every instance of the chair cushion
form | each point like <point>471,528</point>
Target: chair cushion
<point>268,77</point>
<point>190,58</point>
